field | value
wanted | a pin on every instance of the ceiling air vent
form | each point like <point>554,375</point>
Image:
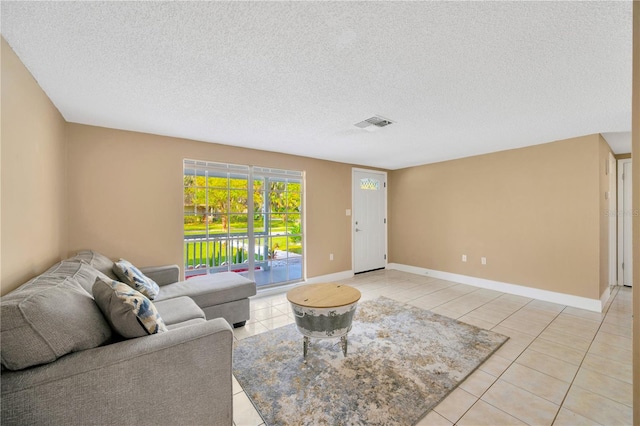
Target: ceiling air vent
<point>373,123</point>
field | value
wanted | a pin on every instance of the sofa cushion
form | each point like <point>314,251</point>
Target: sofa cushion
<point>84,273</point>
<point>100,262</point>
<point>129,312</point>
<point>208,290</point>
<point>180,309</point>
<point>186,323</point>
<point>130,275</point>
<point>46,318</point>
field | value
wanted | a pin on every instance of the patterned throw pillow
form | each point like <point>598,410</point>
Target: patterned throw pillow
<point>128,311</point>
<point>132,276</point>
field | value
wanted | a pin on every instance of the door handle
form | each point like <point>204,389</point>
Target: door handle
<point>357,230</point>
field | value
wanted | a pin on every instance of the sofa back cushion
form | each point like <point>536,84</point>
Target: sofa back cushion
<point>99,261</point>
<point>46,318</point>
<point>83,273</point>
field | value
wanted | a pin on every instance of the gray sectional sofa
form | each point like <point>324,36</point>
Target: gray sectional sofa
<point>64,361</point>
<point>223,295</point>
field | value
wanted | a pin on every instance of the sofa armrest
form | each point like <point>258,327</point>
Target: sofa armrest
<point>182,376</point>
<point>162,275</point>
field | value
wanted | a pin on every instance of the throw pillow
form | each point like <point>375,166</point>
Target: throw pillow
<point>128,311</point>
<point>132,276</point>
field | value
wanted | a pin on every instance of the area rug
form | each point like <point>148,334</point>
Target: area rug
<point>401,362</point>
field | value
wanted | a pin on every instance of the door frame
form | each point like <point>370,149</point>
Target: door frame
<point>613,219</point>
<point>386,211</point>
<point>620,218</point>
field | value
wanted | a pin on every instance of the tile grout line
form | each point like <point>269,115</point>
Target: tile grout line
<point>560,406</point>
<point>451,300</point>
<point>527,347</point>
<point>432,292</point>
<point>499,409</point>
<point>454,299</point>
<point>607,310</point>
<point>478,307</point>
<point>582,361</point>
<point>513,362</point>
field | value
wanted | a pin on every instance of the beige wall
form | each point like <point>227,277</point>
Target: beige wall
<point>635,150</point>
<point>534,213</point>
<point>125,189</point>
<point>34,204</point>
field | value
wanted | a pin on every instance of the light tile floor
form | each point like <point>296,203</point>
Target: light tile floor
<point>561,365</point>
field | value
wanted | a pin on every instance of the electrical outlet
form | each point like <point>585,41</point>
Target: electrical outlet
<point>330,256</point>
<point>464,257</point>
<point>483,260</point>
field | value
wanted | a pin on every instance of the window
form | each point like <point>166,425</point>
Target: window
<point>243,219</point>
<point>369,184</point>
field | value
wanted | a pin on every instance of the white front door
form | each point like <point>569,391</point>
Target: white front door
<point>369,220</point>
<point>625,217</point>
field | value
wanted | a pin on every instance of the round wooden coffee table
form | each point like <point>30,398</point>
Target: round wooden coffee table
<point>324,311</point>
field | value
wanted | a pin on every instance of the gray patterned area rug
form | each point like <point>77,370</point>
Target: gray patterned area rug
<point>401,362</point>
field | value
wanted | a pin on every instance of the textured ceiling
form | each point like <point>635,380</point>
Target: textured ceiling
<point>457,78</point>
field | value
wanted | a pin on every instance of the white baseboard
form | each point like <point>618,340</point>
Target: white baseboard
<point>344,275</point>
<point>594,305</point>
<point>605,297</point>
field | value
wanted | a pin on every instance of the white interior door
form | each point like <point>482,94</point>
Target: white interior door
<point>625,217</point>
<point>369,220</point>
